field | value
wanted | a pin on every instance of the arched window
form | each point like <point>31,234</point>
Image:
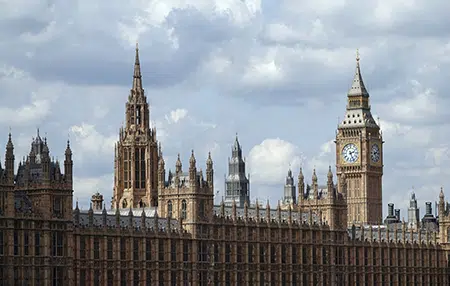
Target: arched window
<point>201,210</point>
<point>183,209</point>
<point>169,208</point>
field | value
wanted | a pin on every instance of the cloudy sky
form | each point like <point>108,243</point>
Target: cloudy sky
<point>275,72</point>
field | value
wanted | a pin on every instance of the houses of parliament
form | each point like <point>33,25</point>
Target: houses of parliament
<point>164,228</point>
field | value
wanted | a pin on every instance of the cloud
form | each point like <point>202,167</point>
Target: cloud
<point>36,110</point>
<point>86,186</point>
<point>417,103</point>
<point>176,115</point>
<point>90,141</point>
<point>325,157</point>
<point>269,161</point>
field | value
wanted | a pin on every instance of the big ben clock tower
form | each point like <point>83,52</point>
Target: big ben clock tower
<point>359,155</point>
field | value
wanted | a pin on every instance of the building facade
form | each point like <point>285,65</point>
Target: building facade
<point>164,229</point>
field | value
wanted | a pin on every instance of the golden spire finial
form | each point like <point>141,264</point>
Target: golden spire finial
<point>357,55</point>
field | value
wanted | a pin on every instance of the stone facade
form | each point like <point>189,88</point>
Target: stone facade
<point>166,230</point>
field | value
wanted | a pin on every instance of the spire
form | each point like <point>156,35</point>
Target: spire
<point>209,161</point>
<point>9,145</point>
<point>314,176</point>
<point>289,178</point>
<point>192,160</point>
<point>137,77</point>
<point>301,177</point>
<point>236,142</point>
<point>68,151</point>
<point>358,88</point>
<point>330,174</point>
<point>237,150</point>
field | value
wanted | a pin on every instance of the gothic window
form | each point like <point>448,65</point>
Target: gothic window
<point>183,209</point>
<point>250,253</point>
<point>124,203</point>
<point>262,254</point>
<point>110,277</point>
<point>273,254</point>
<point>123,249</point>
<point>26,243</point>
<point>143,168</point>
<point>57,244</point>
<point>138,115</point>
<point>169,209</point>
<point>173,251</point>
<point>57,206</point>
<point>123,277</point>
<point>132,115</point>
<point>294,254</point>
<point>148,249</point>
<point>1,242</point>
<point>227,253</point>
<point>137,156</point>
<point>127,168</point>
<point>148,278</point>
<point>136,277</point>
<point>82,247</point>
<point>96,248</point>
<point>96,278</point>
<point>110,249</point>
<point>161,278</point>
<point>201,209</point>
<point>240,254</point>
<point>16,243</point>
<point>173,278</point>
<point>216,253</point>
<point>37,243</point>
<point>58,276</point>
<point>139,168</point>
<point>186,251</point>
<point>135,249</point>
<point>161,250</point>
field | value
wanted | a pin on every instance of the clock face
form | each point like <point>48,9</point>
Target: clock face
<point>350,153</point>
<point>375,153</point>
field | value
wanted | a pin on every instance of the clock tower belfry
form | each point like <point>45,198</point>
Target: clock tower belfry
<point>359,155</point>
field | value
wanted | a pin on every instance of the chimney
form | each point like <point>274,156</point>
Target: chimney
<point>397,213</point>
<point>390,210</point>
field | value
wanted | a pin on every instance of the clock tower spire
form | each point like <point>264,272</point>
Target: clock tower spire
<point>359,155</point>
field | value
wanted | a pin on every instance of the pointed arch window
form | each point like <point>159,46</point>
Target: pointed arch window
<point>127,168</point>
<point>183,209</point>
<point>132,115</point>
<point>138,115</point>
<point>169,208</point>
<point>201,209</point>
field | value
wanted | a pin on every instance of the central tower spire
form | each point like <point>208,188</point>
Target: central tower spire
<point>137,77</point>
<point>136,154</point>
